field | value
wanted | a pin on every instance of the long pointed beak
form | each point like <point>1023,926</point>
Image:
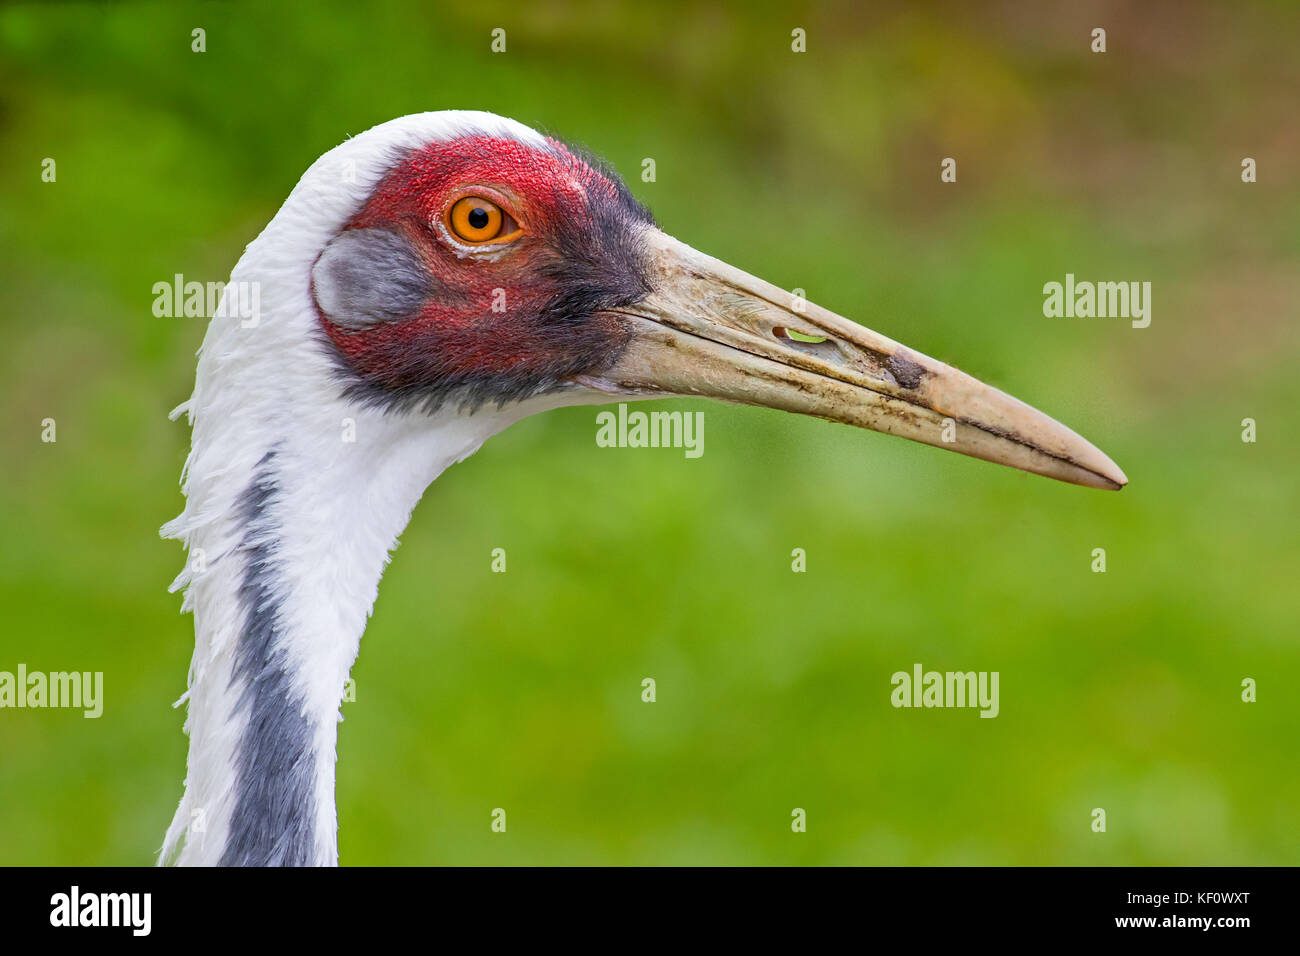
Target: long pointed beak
<point>711,330</point>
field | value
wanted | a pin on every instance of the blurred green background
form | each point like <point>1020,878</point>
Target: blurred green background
<point>817,170</point>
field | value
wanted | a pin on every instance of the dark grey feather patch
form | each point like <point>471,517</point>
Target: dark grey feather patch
<point>273,821</point>
<point>368,276</point>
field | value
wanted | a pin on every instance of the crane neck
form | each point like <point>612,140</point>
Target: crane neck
<point>288,538</point>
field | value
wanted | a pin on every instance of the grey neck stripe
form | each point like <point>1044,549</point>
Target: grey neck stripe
<point>273,820</point>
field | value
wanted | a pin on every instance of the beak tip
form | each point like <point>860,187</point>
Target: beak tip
<point>1113,476</point>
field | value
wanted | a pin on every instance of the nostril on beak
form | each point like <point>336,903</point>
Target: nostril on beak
<point>790,335</point>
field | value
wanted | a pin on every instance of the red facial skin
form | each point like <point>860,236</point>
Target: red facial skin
<point>562,206</point>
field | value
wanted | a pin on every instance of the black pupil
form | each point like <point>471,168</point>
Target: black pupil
<point>478,217</point>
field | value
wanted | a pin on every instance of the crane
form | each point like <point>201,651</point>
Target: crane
<point>426,284</point>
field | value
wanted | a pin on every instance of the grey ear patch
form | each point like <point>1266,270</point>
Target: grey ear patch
<point>369,276</point>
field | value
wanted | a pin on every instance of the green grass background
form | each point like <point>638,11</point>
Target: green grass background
<point>1118,690</point>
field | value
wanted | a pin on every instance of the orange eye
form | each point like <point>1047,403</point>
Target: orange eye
<point>475,219</point>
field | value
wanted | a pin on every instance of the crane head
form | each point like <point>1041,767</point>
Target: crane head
<point>490,266</point>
